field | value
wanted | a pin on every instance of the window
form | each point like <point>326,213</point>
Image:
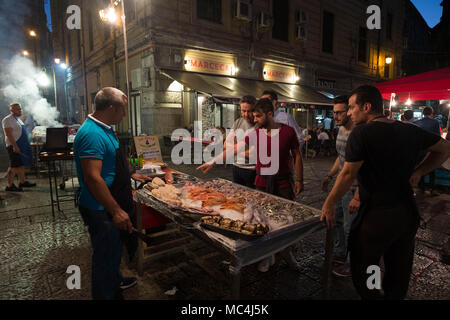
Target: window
<point>389,21</point>
<point>280,28</point>
<point>210,10</point>
<point>106,31</point>
<point>130,10</point>
<point>362,46</point>
<point>91,32</point>
<point>327,32</point>
<point>387,70</point>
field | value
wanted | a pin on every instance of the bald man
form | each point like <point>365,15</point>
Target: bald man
<point>105,200</point>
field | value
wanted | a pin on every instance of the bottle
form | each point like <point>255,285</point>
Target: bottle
<point>141,160</point>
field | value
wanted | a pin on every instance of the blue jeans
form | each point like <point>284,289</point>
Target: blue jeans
<point>343,223</point>
<point>107,247</point>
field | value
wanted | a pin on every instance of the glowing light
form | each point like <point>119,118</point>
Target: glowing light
<point>43,80</point>
<point>408,102</point>
<point>32,33</point>
<point>63,66</point>
<point>388,60</point>
<point>25,53</point>
<point>109,15</point>
<point>175,86</point>
<point>57,60</point>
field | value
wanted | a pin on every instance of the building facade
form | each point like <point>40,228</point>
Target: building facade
<point>191,59</point>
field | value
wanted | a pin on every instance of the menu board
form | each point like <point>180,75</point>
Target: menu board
<point>149,147</point>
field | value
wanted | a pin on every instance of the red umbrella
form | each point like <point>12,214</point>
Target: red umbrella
<point>431,85</point>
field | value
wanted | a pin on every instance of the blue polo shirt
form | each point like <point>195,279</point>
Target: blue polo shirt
<point>95,140</point>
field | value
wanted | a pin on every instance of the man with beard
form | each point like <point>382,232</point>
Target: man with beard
<point>382,153</point>
<point>277,183</point>
<point>349,204</point>
<point>243,174</point>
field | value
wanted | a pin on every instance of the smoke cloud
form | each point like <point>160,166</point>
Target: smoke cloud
<point>19,80</point>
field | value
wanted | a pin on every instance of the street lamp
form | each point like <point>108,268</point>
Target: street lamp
<point>33,34</point>
<point>62,66</point>
<point>109,15</point>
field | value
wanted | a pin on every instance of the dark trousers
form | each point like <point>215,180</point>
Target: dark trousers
<point>285,193</point>
<point>388,233</point>
<point>432,177</point>
<point>245,177</point>
<point>107,247</point>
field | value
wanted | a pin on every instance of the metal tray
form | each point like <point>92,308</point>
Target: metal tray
<point>231,233</point>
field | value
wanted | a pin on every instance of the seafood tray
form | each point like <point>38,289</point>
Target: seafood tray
<point>181,178</point>
<point>233,228</point>
<point>231,233</point>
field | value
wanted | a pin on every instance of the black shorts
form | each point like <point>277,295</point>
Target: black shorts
<point>15,160</point>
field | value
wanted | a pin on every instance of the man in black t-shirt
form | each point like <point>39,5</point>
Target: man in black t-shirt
<point>382,154</point>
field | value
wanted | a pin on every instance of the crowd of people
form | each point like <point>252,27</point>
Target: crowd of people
<point>371,207</point>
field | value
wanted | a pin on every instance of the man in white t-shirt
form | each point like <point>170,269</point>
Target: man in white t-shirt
<point>18,147</point>
<point>243,174</point>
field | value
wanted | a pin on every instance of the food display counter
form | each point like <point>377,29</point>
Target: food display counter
<point>284,222</point>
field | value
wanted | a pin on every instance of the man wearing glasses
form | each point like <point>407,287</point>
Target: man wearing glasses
<point>347,207</point>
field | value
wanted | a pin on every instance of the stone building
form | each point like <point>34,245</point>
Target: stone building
<point>192,59</point>
<point>440,39</point>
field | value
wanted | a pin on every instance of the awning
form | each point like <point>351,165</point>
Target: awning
<point>432,85</point>
<point>228,87</point>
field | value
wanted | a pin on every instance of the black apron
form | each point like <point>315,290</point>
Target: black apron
<point>122,192</point>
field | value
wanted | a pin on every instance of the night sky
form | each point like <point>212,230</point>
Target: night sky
<point>430,10</point>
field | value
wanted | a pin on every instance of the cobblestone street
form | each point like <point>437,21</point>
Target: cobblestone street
<point>36,250</point>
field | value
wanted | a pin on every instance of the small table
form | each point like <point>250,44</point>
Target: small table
<point>50,159</point>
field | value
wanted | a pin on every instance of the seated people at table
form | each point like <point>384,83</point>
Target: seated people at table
<point>277,181</point>
<point>105,200</point>
<point>243,174</point>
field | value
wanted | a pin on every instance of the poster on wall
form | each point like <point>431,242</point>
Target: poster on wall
<point>149,147</point>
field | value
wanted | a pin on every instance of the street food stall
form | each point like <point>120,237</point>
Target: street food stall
<point>245,224</point>
<point>431,85</point>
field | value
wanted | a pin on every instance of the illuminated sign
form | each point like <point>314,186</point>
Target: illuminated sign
<point>223,64</point>
<point>278,73</point>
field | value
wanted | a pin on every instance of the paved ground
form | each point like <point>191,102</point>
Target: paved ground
<point>36,250</point>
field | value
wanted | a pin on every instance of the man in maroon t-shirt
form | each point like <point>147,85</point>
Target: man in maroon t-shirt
<point>273,177</point>
<point>272,167</point>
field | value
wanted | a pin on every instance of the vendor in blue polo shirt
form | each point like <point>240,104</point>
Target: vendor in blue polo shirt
<point>105,200</point>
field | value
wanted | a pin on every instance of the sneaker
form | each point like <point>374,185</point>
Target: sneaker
<point>26,184</point>
<point>342,271</point>
<point>13,188</point>
<point>265,264</point>
<point>128,283</point>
